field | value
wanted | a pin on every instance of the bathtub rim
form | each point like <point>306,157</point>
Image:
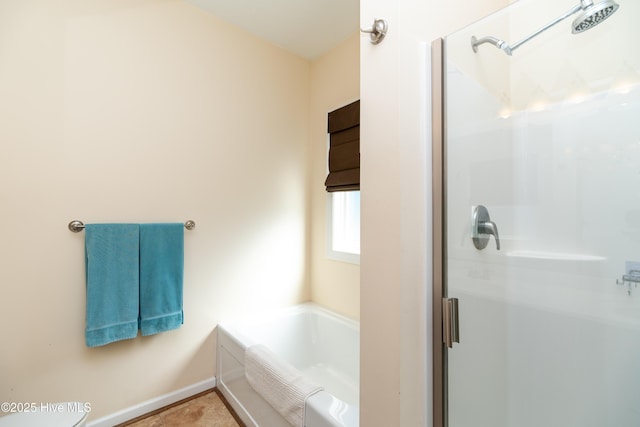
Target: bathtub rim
<point>236,328</point>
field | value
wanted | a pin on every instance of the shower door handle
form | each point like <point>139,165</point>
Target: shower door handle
<point>450,324</point>
<point>482,228</point>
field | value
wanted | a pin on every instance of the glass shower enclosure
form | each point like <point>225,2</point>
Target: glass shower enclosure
<point>539,212</point>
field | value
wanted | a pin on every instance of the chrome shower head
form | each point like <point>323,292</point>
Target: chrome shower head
<point>590,15</point>
<point>593,14</point>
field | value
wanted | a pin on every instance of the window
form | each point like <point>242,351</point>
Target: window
<point>344,226</point>
<point>343,183</point>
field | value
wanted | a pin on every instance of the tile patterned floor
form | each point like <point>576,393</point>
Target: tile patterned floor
<point>207,410</point>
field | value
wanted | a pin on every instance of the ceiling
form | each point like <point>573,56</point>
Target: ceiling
<point>307,28</point>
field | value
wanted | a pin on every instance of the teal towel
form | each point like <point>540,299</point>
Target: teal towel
<point>112,269</point>
<point>161,275</point>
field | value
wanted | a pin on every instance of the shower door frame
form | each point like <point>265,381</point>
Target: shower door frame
<point>439,284</point>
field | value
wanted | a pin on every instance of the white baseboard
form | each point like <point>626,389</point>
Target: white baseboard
<point>152,404</point>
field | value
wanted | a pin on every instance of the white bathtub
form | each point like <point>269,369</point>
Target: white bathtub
<point>321,344</point>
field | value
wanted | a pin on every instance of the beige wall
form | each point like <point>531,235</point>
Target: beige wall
<point>137,111</point>
<point>335,82</point>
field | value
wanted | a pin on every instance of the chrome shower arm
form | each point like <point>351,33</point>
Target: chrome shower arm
<point>500,44</point>
<point>508,49</point>
<point>546,27</point>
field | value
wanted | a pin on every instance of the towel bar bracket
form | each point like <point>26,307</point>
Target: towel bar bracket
<point>77,226</point>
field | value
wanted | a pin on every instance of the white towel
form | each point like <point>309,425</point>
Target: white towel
<point>279,383</point>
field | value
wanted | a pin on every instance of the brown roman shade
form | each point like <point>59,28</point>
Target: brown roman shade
<point>344,148</point>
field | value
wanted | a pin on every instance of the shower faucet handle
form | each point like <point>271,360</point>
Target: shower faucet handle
<point>490,227</point>
<point>482,228</point>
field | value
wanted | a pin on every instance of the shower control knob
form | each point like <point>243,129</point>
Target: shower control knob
<point>482,228</point>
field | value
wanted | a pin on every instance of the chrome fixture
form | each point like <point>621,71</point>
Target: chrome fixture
<point>631,280</point>
<point>590,15</point>
<point>377,31</point>
<point>482,227</point>
<point>77,226</point>
<point>450,322</point>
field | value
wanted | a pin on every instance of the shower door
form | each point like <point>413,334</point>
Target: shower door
<point>541,221</point>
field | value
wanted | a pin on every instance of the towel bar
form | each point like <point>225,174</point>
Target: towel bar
<point>77,226</point>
